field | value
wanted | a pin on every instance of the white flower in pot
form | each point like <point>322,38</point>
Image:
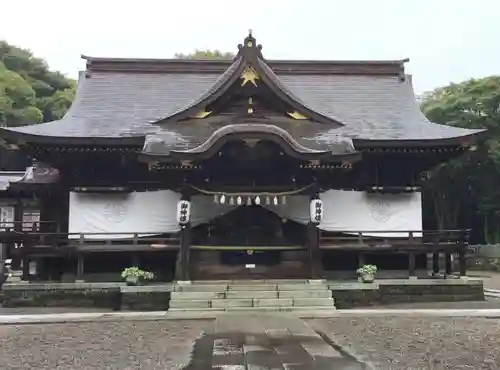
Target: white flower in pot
<point>367,273</point>
<point>134,275</point>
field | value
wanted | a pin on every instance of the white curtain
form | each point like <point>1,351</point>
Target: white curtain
<point>148,213</point>
<point>154,212</point>
<point>351,211</point>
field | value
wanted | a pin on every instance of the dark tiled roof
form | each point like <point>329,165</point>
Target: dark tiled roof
<point>112,104</point>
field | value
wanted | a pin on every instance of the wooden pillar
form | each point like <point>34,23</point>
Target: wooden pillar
<point>80,267</point>
<point>314,251</point>
<point>464,242</point>
<point>411,264</point>
<point>435,263</point>
<point>361,259</point>
<point>135,260</point>
<point>448,269</point>
<point>313,241</point>
<point>26,267</point>
<point>184,248</point>
<point>18,219</point>
<point>462,261</point>
<point>185,253</point>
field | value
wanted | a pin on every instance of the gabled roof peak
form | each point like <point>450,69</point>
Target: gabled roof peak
<point>250,50</point>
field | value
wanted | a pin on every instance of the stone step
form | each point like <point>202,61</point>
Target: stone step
<point>189,303</point>
<point>226,303</point>
<point>196,295</point>
<point>313,302</point>
<point>253,309</point>
<point>267,302</point>
<point>193,309</point>
<point>302,286</point>
<point>319,312</point>
<point>261,287</point>
<point>220,288</point>
<point>313,293</point>
<point>232,294</point>
<point>251,282</point>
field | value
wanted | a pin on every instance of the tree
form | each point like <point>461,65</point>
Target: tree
<point>206,55</point>
<point>29,92</point>
<point>465,191</point>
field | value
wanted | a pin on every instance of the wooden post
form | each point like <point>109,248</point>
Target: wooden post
<point>462,261</point>
<point>80,267</point>
<point>18,219</point>
<point>26,267</point>
<point>314,252</point>
<point>464,242</point>
<point>313,242</point>
<point>361,259</point>
<point>185,245</point>
<point>448,270</point>
<point>135,260</point>
<point>185,253</point>
<point>411,264</point>
<point>435,263</point>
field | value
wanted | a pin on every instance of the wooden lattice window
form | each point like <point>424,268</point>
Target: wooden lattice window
<point>31,220</point>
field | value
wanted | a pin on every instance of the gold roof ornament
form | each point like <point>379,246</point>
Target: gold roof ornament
<point>249,75</point>
<point>296,115</point>
<point>250,107</point>
<point>204,113</point>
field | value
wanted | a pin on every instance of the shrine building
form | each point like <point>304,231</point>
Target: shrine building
<point>214,169</point>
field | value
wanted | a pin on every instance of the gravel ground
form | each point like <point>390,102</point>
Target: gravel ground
<point>488,303</point>
<point>413,343</point>
<point>491,280</point>
<point>144,345</point>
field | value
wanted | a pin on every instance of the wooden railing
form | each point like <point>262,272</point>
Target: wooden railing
<point>358,240</point>
<point>103,240</point>
<point>405,239</point>
<point>16,226</point>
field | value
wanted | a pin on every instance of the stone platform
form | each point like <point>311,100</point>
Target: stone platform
<point>226,295</point>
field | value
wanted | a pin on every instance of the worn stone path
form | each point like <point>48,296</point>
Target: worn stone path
<point>266,342</point>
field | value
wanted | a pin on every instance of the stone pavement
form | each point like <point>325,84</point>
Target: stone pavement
<point>266,342</point>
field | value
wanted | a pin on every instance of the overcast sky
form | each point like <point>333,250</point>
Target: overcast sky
<point>446,40</point>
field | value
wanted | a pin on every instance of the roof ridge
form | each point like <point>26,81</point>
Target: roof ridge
<point>352,67</point>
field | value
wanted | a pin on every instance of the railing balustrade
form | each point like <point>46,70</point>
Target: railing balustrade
<point>327,239</point>
<point>392,239</point>
<point>16,226</point>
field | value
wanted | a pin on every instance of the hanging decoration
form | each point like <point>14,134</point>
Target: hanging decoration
<point>247,198</point>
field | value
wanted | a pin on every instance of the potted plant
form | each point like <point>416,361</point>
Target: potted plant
<point>135,276</point>
<point>367,273</point>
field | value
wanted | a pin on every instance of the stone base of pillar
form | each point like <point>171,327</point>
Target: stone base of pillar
<point>183,282</point>
<point>79,281</point>
<point>413,277</point>
<point>15,277</point>
<point>316,281</point>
